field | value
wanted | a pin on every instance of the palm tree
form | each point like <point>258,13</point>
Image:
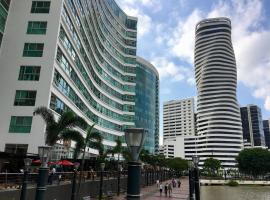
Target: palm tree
<point>117,149</point>
<point>62,129</point>
<point>93,140</point>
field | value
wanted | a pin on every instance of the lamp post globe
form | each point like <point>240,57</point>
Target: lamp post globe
<point>134,139</point>
<point>44,155</point>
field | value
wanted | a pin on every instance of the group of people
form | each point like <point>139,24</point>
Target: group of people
<point>167,187</point>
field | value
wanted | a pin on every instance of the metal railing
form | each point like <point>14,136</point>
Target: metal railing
<point>14,180</point>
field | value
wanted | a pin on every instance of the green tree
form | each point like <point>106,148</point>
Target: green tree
<point>62,129</point>
<point>211,165</point>
<point>255,161</point>
<point>177,164</point>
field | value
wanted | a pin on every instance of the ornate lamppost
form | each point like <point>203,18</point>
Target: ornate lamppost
<point>74,184</point>
<point>27,164</point>
<point>196,177</point>
<point>44,154</point>
<point>102,166</point>
<point>191,180</point>
<point>134,139</point>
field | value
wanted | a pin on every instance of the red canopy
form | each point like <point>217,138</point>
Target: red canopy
<point>36,161</point>
<point>39,162</point>
<point>64,163</point>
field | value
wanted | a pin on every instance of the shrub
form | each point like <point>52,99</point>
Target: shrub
<point>232,183</point>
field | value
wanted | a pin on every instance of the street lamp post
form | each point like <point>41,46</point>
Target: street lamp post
<point>44,152</point>
<point>73,192</point>
<point>119,178</point>
<point>102,166</point>
<point>196,177</point>
<point>191,181</point>
<point>27,163</point>
<point>134,139</point>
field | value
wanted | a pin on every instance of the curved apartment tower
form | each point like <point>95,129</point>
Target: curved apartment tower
<point>218,119</point>
<point>67,55</point>
<point>147,103</point>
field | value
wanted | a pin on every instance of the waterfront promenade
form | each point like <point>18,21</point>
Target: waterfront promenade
<point>152,192</point>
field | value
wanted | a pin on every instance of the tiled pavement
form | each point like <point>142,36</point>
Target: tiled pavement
<point>152,192</point>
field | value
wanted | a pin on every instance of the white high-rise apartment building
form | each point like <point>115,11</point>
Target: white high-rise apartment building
<point>219,126</point>
<point>178,118</point>
<point>66,55</point>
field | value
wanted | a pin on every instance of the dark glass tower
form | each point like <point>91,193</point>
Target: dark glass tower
<point>266,130</point>
<point>147,103</point>
<point>252,125</point>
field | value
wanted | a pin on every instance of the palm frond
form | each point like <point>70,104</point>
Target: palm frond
<point>46,114</point>
<point>51,134</point>
<point>89,134</point>
<point>69,134</point>
<point>67,120</point>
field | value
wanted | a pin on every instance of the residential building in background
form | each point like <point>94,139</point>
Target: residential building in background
<point>266,130</point>
<point>178,118</point>
<point>179,147</point>
<point>219,126</point>
<point>147,103</point>
<point>66,55</point>
<point>252,125</point>
<point>4,7</point>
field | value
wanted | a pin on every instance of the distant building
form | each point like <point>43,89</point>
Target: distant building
<point>180,146</point>
<point>178,118</point>
<point>147,103</point>
<point>253,134</point>
<point>266,130</point>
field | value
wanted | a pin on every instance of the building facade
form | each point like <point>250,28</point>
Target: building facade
<point>147,103</point>
<point>218,114</point>
<point>66,55</point>
<point>252,125</point>
<point>266,130</point>
<point>180,147</point>
<point>4,7</point>
<point>178,118</point>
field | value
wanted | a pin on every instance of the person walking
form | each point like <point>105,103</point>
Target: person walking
<point>170,189</point>
<point>160,189</point>
<point>166,189</point>
<point>157,182</point>
<point>179,183</point>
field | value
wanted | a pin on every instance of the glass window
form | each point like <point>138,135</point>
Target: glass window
<point>33,49</point>
<point>37,28</point>
<point>18,149</point>
<point>29,73</point>
<point>40,7</point>
<point>25,98</point>
<point>20,124</point>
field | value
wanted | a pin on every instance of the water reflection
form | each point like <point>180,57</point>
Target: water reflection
<point>235,193</point>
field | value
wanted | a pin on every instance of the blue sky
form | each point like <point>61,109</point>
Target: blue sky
<point>166,39</point>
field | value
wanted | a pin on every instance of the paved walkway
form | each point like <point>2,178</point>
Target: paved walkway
<point>152,192</point>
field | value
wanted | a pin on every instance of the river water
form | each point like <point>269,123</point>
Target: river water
<point>235,193</point>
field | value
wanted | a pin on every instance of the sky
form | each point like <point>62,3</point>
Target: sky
<point>166,36</point>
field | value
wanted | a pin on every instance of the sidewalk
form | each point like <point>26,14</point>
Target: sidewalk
<point>152,192</point>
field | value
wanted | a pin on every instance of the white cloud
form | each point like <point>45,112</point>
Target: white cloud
<point>144,21</point>
<point>250,42</point>
<point>181,42</point>
<point>170,71</point>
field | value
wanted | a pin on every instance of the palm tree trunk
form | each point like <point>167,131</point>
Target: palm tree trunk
<point>82,168</point>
